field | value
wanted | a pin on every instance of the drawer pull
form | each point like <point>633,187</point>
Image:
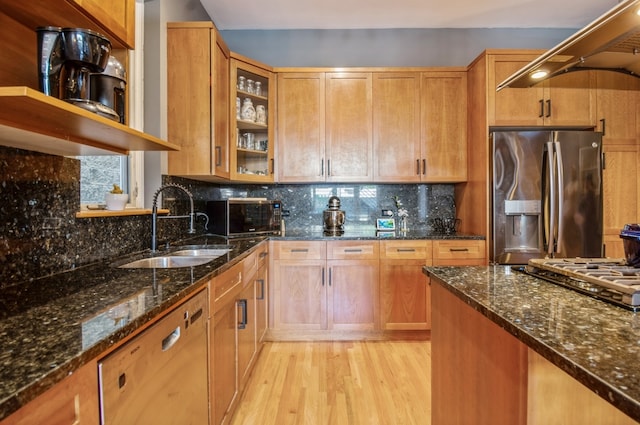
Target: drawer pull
<point>458,249</point>
<point>353,250</point>
<point>300,250</point>
<point>406,250</point>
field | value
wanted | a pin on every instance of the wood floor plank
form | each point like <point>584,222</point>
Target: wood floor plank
<point>339,382</point>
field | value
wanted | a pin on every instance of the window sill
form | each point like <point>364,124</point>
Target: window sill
<point>122,213</point>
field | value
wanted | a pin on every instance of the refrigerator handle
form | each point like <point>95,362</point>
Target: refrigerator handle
<point>559,194</point>
<point>548,198</point>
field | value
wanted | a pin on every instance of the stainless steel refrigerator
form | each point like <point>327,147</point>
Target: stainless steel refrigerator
<point>547,194</point>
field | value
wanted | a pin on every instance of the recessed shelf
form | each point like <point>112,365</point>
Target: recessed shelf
<point>34,121</point>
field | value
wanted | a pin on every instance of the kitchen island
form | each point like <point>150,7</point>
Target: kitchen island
<point>508,348</point>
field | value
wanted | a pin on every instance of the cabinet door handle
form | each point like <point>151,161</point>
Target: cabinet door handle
<point>263,254</point>
<point>261,297</point>
<point>424,166</point>
<point>273,167</point>
<point>218,156</point>
<point>329,276</point>
<point>242,324</point>
<point>353,250</point>
<point>541,101</point>
<point>300,250</point>
<point>323,276</point>
<point>604,123</point>
<point>328,167</point>
<point>548,108</point>
<point>418,166</point>
<point>406,250</point>
<point>458,249</point>
<point>322,167</point>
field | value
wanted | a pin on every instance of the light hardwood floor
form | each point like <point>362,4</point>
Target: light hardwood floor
<point>339,383</point>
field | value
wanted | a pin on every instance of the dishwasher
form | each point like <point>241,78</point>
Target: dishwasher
<point>160,376</point>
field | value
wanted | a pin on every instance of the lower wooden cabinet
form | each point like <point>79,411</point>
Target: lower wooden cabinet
<point>404,288</point>
<point>319,286</point>
<point>223,383</point>
<point>74,401</point>
<point>237,325</point>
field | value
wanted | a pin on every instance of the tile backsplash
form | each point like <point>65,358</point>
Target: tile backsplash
<point>41,194</point>
<point>362,203</point>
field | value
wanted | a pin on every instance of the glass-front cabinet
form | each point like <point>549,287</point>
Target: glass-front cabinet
<point>252,137</point>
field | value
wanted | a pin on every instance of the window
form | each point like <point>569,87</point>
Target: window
<point>98,174</point>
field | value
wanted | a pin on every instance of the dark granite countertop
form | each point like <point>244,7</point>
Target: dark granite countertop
<point>366,232</point>
<point>51,326</point>
<point>595,342</point>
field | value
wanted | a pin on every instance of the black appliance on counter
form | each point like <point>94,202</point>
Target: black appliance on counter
<point>241,217</point>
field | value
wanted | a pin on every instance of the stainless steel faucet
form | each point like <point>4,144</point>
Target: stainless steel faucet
<point>154,213</point>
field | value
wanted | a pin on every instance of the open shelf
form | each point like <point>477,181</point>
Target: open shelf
<point>34,121</point>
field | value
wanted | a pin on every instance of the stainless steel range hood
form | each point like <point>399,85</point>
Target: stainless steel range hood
<point>610,42</point>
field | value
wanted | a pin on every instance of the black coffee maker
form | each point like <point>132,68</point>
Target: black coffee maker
<point>66,58</point>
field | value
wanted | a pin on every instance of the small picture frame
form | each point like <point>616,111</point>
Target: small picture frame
<point>386,224</point>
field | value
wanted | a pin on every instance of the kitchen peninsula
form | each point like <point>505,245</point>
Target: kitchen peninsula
<point>508,348</point>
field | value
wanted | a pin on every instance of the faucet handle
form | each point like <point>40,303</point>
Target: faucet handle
<point>206,223</point>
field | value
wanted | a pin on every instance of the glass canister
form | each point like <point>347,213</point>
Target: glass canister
<point>261,114</point>
<point>258,88</point>
<point>238,108</point>
<point>242,86</point>
<point>250,86</point>
<point>248,112</point>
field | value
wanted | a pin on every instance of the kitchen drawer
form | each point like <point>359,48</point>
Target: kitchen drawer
<point>406,250</point>
<point>263,254</point>
<point>299,250</point>
<point>459,252</point>
<point>353,250</point>
<point>224,284</point>
<point>249,266</point>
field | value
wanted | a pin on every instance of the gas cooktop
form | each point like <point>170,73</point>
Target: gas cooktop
<point>608,279</point>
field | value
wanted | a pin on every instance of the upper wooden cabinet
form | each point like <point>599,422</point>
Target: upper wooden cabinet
<point>383,126</point>
<point>251,143</point>
<point>349,140</point>
<point>198,100</point>
<point>566,100</point>
<point>444,126</point>
<point>115,18</point>
<point>617,98</point>
<point>397,148</point>
<point>325,127</point>
<point>301,126</point>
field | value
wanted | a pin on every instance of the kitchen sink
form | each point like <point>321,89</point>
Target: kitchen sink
<point>166,262</point>
<point>202,252</point>
<point>185,256</point>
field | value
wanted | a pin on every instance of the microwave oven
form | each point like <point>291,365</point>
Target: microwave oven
<point>244,217</point>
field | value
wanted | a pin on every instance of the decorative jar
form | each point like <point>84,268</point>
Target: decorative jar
<point>248,112</point>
